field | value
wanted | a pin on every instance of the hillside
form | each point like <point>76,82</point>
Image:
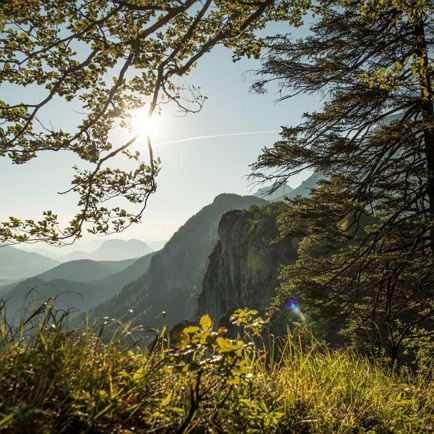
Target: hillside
<point>173,280</point>
<point>116,281</point>
<point>267,193</point>
<point>18,264</point>
<point>77,285</point>
<point>85,270</point>
<point>31,293</point>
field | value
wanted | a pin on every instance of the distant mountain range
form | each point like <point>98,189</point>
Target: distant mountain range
<point>286,192</point>
<point>17,264</point>
<point>268,193</point>
<point>85,270</point>
<point>29,294</point>
<point>78,285</point>
<point>112,250</point>
<point>113,283</point>
<point>168,280</point>
<point>157,245</point>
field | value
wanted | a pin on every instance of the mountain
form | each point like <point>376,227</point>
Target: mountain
<point>80,285</point>
<point>244,266</point>
<point>18,264</point>
<point>6,287</point>
<point>116,281</point>
<point>78,250</point>
<point>267,193</point>
<point>113,250</point>
<point>173,280</point>
<point>85,270</point>
<point>31,293</point>
<point>76,255</point>
<point>286,192</point>
<point>51,252</point>
<point>305,187</point>
<point>157,245</point>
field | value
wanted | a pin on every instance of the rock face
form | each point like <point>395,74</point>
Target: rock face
<point>243,268</point>
<point>173,280</point>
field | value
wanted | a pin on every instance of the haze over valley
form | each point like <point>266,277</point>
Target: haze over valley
<point>121,277</point>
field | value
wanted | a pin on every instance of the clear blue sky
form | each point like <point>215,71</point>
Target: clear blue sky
<point>193,173</point>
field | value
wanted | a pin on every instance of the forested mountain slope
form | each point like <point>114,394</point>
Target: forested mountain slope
<point>174,278</point>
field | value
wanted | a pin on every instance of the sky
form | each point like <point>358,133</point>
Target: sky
<point>193,172</point>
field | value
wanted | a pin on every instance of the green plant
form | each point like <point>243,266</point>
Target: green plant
<point>59,380</point>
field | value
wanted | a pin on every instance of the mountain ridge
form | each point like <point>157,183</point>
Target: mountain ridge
<point>173,280</point>
<point>284,192</point>
<point>112,250</point>
<point>18,264</point>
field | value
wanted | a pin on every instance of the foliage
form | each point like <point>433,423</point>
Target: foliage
<point>58,380</point>
<point>367,254</point>
<point>104,59</point>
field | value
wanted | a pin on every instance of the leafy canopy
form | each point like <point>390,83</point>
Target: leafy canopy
<point>105,58</point>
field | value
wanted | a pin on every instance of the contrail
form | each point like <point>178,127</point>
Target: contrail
<point>215,136</point>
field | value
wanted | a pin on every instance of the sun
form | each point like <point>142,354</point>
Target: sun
<point>142,124</point>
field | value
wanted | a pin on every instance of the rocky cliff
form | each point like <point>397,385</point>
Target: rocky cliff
<point>243,268</point>
<point>173,280</point>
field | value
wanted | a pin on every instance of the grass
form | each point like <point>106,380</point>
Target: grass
<point>54,380</point>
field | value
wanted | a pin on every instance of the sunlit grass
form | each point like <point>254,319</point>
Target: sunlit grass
<point>55,380</point>
<point>340,392</point>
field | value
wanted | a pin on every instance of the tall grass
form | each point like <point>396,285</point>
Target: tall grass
<point>55,380</point>
<point>328,391</point>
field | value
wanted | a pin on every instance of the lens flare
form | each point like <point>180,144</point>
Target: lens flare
<point>293,306</point>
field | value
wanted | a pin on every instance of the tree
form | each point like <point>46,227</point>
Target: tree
<point>106,58</point>
<point>367,252</point>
